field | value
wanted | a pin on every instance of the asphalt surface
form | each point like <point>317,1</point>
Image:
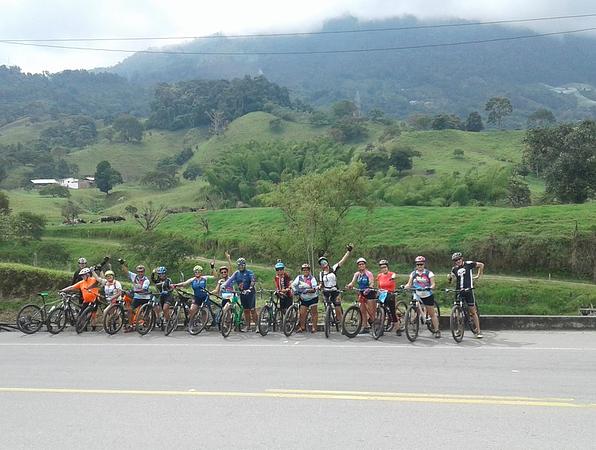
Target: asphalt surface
<point>509,390</point>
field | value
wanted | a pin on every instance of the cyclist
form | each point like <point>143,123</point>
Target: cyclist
<point>328,280</point>
<point>112,289</point>
<point>90,292</point>
<point>423,280</point>
<point>140,284</point>
<point>161,281</point>
<point>307,287</point>
<point>463,273</point>
<point>364,281</point>
<point>283,286</point>
<point>198,283</point>
<point>245,280</point>
<point>386,280</point>
<point>224,274</point>
<point>77,274</point>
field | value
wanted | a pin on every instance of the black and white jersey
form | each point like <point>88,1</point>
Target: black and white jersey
<point>464,275</point>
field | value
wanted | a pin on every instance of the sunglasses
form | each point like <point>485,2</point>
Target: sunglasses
<point>419,264</point>
<point>281,270</point>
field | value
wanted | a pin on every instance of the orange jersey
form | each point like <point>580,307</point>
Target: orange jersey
<point>89,289</point>
<point>384,281</point>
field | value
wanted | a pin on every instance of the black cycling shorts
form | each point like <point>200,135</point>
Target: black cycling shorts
<point>332,296</point>
<point>285,301</point>
<point>468,297</point>
<point>136,302</point>
<point>248,301</point>
<point>428,301</point>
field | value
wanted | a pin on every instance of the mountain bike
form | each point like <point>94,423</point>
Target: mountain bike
<point>292,317</point>
<point>232,316</point>
<point>208,315</point>
<point>460,315</point>
<point>182,302</point>
<point>31,317</point>
<point>417,314</point>
<point>115,316</point>
<point>331,320</point>
<point>270,317</point>
<point>64,314</point>
<point>146,317</point>
<point>351,323</point>
<point>87,313</point>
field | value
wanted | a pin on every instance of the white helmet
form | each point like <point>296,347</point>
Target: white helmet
<point>82,261</point>
<point>359,260</point>
<point>85,271</point>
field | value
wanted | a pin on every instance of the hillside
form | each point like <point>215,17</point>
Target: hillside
<point>556,73</point>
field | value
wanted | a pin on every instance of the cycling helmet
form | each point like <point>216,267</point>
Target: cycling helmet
<point>197,268</point>
<point>109,272</point>
<point>161,270</point>
<point>305,266</point>
<point>420,259</point>
<point>222,268</point>
<point>82,261</point>
<point>241,262</point>
<point>456,256</point>
<point>383,262</point>
<point>140,268</point>
<point>279,265</point>
<point>359,260</point>
<point>323,259</point>
<point>85,271</point>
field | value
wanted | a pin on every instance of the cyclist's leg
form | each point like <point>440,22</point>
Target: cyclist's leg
<point>363,310</point>
<point>315,314</point>
<point>391,305</point>
<point>371,309</point>
<point>429,304</point>
<point>302,317</point>
<point>248,303</point>
<point>335,298</point>
<point>196,304</point>
<point>166,309</point>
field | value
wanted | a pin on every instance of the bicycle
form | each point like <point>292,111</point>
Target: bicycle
<point>66,313</point>
<point>32,317</point>
<point>115,316</point>
<point>400,312</point>
<point>232,316</point>
<point>270,316</point>
<point>415,316</point>
<point>146,317</point>
<point>209,314</point>
<point>87,313</point>
<point>352,320</point>
<point>460,315</point>
<point>181,303</point>
<point>331,320</point>
<point>292,317</point>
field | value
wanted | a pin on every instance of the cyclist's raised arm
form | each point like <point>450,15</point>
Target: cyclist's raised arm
<point>101,280</point>
<point>229,260</point>
<point>480,267</point>
<point>342,261</point>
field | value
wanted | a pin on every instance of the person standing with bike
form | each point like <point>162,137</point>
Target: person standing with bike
<point>423,281</point>
<point>140,284</point>
<point>364,281</point>
<point>89,289</point>
<point>307,287</point>
<point>198,283</point>
<point>245,280</point>
<point>386,280</point>
<point>163,284</point>
<point>283,286</point>
<point>328,280</point>
<point>463,273</point>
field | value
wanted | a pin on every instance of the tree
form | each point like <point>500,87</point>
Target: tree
<point>348,130</point>
<point>401,158</point>
<point>151,216</point>
<point>344,109</point>
<point>55,190</point>
<point>376,160</point>
<point>70,211</point>
<point>128,128</point>
<point>498,108</point>
<point>192,171</point>
<point>4,203</point>
<point>27,226</point>
<point>541,118</point>
<point>106,177</point>
<point>518,192</point>
<point>446,122</point>
<point>161,179</point>
<point>474,122</point>
<point>218,122</point>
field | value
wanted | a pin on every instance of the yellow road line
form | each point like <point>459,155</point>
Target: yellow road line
<point>413,394</point>
<point>304,395</point>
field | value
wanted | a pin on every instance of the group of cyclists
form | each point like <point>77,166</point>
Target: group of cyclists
<point>95,282</point>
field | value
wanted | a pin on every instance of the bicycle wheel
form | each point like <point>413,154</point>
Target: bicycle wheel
<point>113,319</point>
<point>226,321</point>
<point>199,321</point>
<point>72,314</point>
<point>352,321</point>
<point>290,320</point>
<point>172,322</point>
<point>456,323</point>
<point>264,320</point>
<point>400,311</point>
<point>145,319</point>
<point>278,320</point>
<point>56,320</point>
<point>379,323</point>
<point>412,323</point>
<point>214,318</point>
<point>429,324</point>
<point>84,319</point>
<point>328,320</point>
<point>30,319</point>
<point>387,323</point>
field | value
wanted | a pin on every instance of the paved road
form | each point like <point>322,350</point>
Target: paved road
<point>510,390</point>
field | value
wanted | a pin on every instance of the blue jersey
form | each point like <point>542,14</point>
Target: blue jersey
<point>198,285</point>
<point>244,280</point>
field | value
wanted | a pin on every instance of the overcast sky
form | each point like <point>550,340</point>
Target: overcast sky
<point>44,19</point>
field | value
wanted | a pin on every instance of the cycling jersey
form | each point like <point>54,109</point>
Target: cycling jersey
<point>88,288</point>
<point>421,280</point>
<point>110,289</point>
<point>140,286</point>
<point>225,293</point>
<point>387,281</point>
<point>198,286</point>
<point>283,282</point>
<point>302,283</point>
<point>328,278</point>
<point>464,275</point>
<point>364,280</point>
<point>245,280</point>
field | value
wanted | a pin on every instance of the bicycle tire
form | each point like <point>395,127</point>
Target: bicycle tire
<point>72,313</point>
<point>290,320</point>
<point>264,321</point>
<point>412,323</point>
<point>388,325</point>
<point>328,320</point>
<point>456,323</point>
<point>214,316</point>
<point>226,321</point>
<point>278,320</point>
<point>172,322</point>
<point>113,319</point>
<point>429,325</point>
<point>378,325</point>
<point>351,323</point>
<point>84,319</point>
<point>30,319</point>
<point>145,319</point>
<point>56,320</point>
